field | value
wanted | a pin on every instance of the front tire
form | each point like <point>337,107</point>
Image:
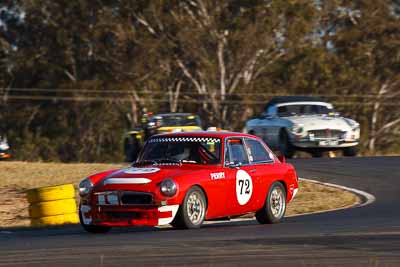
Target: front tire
<point>192,212</point>
<point>275,205</point>
<point>285,147</point>
<point>350,151</point>
<point>94,229</point>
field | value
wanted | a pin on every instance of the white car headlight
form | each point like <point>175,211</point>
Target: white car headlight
<point>168,187</point>
<point>353,124</point>
<point>85,187</point>
<point>297,128</point>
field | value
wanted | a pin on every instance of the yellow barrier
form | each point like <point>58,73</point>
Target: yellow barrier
<point>50,193</point>
<point>52,205</point>
<point>71,218</point>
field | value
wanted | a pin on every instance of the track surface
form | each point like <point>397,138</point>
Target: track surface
<point>366,236</point>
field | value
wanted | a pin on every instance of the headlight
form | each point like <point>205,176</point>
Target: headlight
<point>84,187</point>
<point>168,188</point>
<point>353,124</point>
<point>297,128</point>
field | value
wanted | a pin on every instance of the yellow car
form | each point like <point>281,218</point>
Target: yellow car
<point>156,124</point>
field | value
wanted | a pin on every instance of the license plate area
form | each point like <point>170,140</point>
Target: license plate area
<point>108,199</point>
<point>136,198</point>
<point>328,143</point>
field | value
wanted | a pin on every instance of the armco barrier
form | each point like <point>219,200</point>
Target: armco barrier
<point>53,205</point>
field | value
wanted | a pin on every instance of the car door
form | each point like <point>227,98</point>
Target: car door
<point>240,185</point>
<point>263,169</point>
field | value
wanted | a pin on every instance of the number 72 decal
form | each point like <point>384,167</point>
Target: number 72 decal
<point>244,187</point>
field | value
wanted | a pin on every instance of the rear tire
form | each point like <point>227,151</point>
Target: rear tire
<point>94,229</point>
<point>350,151</point>
<point>274,207</point>
<point>285,147</point>
<point>192,212</point>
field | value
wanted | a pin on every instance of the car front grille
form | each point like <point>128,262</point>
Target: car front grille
<point>327,133</point>
<point>136,198</point>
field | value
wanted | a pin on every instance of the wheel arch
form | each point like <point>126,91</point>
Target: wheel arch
<point>285,186</point>
<point>281,181</point>
<point>182,198</point>
<point>204,192</point>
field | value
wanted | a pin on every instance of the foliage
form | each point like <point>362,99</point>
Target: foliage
<point>74,75</point>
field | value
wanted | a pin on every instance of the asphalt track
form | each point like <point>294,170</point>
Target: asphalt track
<point>365,236</point>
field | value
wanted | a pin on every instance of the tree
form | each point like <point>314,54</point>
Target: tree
<point>75,75</point>
<point>367,38</point>
<point>223,47</point>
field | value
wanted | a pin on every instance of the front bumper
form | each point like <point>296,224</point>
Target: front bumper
<point>325,144</point>
<point>127,216</point>
<point>328,139</point>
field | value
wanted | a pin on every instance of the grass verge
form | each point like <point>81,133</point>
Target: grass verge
<point>20,176</point>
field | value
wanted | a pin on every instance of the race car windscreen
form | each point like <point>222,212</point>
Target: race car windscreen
<point>178,120</point>
<point>292,110</point>
<point>194,150</point>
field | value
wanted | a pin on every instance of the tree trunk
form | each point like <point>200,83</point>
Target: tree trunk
<point>174,96</point>
<point>374,118</point>
<point>134,112</point>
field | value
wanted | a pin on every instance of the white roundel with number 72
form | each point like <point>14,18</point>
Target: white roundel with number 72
<point>244,187</point>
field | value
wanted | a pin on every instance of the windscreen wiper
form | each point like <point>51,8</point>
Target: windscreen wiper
<point>166,160</point>
<point>143,162</point>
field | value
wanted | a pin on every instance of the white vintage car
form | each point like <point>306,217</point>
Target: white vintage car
<point>4,148</point>
<point>305,123</point>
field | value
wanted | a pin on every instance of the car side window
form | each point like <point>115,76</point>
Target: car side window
<point>237,152</point>
<point>257,152</point>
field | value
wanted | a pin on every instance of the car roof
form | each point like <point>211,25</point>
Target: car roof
<point>287,99</point>
<point>206,134</point>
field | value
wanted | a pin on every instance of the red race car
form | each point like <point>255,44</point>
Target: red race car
<point>185,178</point>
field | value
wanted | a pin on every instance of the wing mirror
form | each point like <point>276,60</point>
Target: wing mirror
<point>234,164</point>
<point>282,159</point>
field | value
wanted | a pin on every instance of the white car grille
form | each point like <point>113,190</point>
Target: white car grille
<point>327,134</point>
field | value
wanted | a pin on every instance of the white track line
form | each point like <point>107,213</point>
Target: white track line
<point>5,232</point>
<point>367,199</point>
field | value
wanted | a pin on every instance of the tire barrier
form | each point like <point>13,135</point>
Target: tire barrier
<point>50,193</point>
<point>53,205</point>
<point>71,218</point>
